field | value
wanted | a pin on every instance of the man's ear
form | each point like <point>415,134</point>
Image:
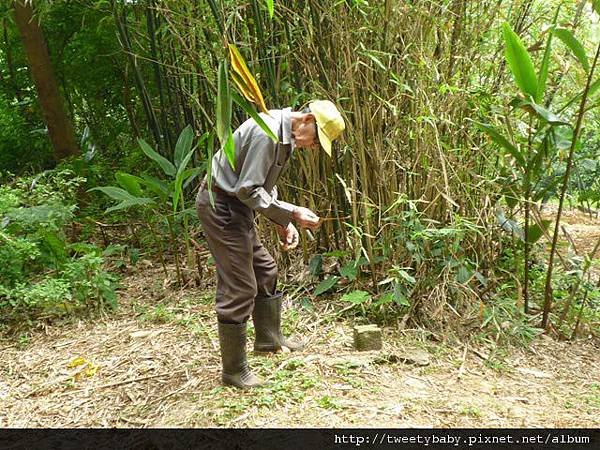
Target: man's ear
<point>308,117</point>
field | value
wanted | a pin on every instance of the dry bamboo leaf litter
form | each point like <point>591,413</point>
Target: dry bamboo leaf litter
<point>164,371</point>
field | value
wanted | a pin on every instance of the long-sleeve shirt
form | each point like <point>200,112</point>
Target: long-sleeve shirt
<point>258,163</point>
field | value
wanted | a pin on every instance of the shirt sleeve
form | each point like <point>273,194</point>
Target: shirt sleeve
<point>249,187</point>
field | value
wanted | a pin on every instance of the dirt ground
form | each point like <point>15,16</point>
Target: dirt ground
<point>155,363</point>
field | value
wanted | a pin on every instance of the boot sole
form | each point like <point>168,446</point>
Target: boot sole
<point>275,349</point>
<point>230,382</point>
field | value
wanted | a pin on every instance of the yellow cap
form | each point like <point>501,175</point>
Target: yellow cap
<point>330,123</point>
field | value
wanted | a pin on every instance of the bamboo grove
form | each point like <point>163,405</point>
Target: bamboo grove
<point>424,193</point>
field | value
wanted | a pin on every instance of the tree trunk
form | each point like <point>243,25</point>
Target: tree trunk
<point>60,127</point>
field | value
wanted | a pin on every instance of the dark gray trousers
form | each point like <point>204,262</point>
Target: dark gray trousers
<point>245,269</point>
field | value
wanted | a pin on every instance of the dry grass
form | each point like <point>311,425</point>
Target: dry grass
<point>157,364</point>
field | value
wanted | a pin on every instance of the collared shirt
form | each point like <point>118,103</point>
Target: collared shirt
<point>255,155</point>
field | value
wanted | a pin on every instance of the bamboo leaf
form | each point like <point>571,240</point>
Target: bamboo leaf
<point>166,165</point>
<point>229,149</point>
<point>249,82</point>
<point>376,60</point>
<point>571,41</point>
<point>503,142</point>
<point>543,75</point>
<point>183,145</point>
<point>252,113</point>
<point>520,63</point>
<point>593,88</point>
<point>223,103</point>
<point>242,86</point>
<point>271,8</point>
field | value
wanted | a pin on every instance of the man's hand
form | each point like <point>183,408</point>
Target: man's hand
<point>288,236</point>
<point>306,218</point>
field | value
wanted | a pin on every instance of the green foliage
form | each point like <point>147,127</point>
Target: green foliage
<point>42,272</point>
<point>159,199</point>
<point>21,147</point>
<point>326,285</point>
<point>519,62</point>
<point>150,192</point>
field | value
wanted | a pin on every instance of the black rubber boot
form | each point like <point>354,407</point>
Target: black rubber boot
<point>267,325</point>
<point>232,337</point>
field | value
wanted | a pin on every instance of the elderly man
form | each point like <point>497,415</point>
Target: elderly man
<point>246,272</point>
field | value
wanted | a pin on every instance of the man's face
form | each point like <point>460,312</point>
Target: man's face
<point>306,134</point>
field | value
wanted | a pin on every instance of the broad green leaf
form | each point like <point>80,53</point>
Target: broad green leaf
<point>535,232</point>
<point>244,80</point>
<point>241,101</point>
<point>114,192</point>
<point>159,187</point>
<point>400,296</point>
<point>178,187</point>
<point>519,62</point>
<point>188,174</point>
<point>125,204</point>
<point>229,149</point>
<point>54,244</point>
<point>223,104</point>
<point>127,200</point>
<point>503,142</point>
<point>406,276</point>
<point>349,271</point>
<point>209,150</point>
<point>571,41</point>
<point>463,274</point>
<point>545,114</point>
<point>543,75</point>
<point>385,298</point>
<point>356,297</point>
<point>326,284</point>
<point>166,165</point>
<point>271,7</point>
<point>183,145</point>
<point>315,265</point>
<point>596,6</point>
<point>131,183</point>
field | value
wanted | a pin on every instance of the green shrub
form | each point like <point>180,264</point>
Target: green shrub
<point>42,272</point>
<point>33,146</point>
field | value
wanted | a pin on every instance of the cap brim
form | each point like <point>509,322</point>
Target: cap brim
<point>324,140</point>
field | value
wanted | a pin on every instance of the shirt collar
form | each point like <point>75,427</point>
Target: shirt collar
<point>286,118</point>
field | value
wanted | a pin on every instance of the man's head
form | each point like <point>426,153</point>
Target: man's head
<point>318,125</point>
